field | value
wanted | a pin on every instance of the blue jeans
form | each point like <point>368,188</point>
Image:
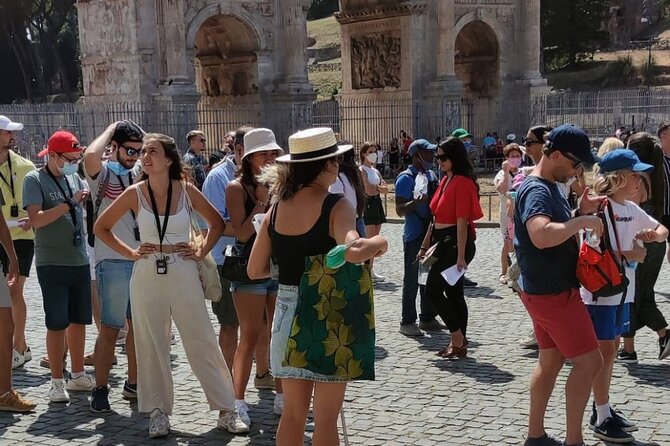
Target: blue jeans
<point>113,278</point>
<point>410,285</point>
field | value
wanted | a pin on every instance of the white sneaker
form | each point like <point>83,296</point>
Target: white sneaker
<point>278,405</point>
<point>530,341</point>
<point>230,421</point>
<point>83,383</point>
<point>243,412</point>
<point>159,424</point>
<point>28,355</point>
<point>17,359</point>
<point>58,393</point>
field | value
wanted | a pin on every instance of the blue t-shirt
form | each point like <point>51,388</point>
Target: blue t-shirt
<point>214,189</point>
<point>549,270</point>
<point>489,141</point>
<point>415,222</point>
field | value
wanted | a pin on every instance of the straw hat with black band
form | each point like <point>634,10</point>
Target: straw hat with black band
<point>312,145</point>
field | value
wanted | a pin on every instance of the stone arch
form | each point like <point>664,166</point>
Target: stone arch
<point>226,60</point>
<point>477,56</point>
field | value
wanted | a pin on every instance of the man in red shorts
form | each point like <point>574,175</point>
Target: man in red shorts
<point>547,251</point>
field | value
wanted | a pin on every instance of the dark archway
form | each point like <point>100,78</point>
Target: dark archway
<point>226,59</point>
<point>477,60</point>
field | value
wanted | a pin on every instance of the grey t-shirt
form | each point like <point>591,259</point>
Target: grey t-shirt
<point>124,229</point>
<point>54,243</point>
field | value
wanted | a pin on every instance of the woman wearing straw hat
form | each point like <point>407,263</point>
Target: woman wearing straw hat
<point>254,300</point>
<point>306,220</point>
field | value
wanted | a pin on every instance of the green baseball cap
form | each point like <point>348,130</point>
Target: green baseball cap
<point>461,133</point>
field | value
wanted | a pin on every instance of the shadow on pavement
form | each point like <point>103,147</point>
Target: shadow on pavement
<point>652,374</point>
<point>386,286</point>
<point>483,372</point>
<point>8,419</point>
<point>481,291</point>
<point>380,353</point>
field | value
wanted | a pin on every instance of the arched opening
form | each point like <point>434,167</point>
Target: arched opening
<point>477,61</point>
<point>226,61</point>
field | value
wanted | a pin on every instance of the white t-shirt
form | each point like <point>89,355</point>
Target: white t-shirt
<point>630,220</point>
<point>343,186</point>
<point>373,175</point>
<point>502,198</point>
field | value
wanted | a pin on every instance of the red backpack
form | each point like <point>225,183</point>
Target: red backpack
<point>602,271</point>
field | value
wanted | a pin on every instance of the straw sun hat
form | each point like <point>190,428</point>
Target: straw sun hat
<point>312,145</point>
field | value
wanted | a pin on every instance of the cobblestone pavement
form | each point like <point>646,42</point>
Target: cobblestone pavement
<point>417,399</point>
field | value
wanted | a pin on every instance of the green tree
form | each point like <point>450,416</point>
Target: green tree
<point>572,30</point>
<point>322,8</point>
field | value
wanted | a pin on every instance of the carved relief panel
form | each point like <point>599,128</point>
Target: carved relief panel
<point>376,60</point>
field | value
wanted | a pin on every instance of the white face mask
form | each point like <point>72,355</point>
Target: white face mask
<point>372,157</point>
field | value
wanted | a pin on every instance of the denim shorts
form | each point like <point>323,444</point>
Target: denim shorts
<point>66,295</point>
<point>113,278</point>
<point>270,286</point>
<point>287,302</point>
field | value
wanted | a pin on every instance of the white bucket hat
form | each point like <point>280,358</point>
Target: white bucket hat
<point>7,124</point>
<point>260,140</point>
<point>312,145</point>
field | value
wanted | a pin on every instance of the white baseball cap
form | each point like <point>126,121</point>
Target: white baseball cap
<point>7,124</point>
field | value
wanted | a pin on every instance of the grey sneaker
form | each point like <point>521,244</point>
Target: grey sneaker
<point>544,440</point>
<point>230,421</point>
<point>432,325</point>
<point>411,330</point>
<point>159,424</point>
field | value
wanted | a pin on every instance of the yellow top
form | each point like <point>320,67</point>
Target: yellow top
<point>20,167</point>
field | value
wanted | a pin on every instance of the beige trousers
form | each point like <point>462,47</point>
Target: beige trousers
<point>156,300</point>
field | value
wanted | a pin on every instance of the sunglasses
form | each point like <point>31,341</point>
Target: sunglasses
<point>69,160</point>
<point>132,152</point>
<point>442,157</point>
<point>576,163</point>
<point>529,142</point>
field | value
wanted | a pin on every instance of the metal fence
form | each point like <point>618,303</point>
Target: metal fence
<point>357,120</point>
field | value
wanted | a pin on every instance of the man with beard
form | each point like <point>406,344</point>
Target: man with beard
<point>546,246</point>
<point>13,169</point>
<point>107,180</point>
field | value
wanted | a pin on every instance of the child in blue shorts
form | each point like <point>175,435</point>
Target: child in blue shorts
<point>619,179</point>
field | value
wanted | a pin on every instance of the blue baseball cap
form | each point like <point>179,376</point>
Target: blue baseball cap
<point>421,144</point>
<point>571,139</point>
<point>623,159</point>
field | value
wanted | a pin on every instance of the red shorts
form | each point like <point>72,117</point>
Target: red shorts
<point>561,321</point>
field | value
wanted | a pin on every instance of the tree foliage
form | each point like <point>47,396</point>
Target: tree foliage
<point>322,8</point>
<point>43,45</point>
<point>572,30</point>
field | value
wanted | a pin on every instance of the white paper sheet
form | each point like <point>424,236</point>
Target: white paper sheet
<point>452,274</point>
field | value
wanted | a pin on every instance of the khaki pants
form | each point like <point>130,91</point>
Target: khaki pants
<point>156,300</point>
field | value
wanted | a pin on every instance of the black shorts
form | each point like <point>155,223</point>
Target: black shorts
<point>66,295</point>
<point>374,211</point>
<point>25,251</point>
<point>224,310</point>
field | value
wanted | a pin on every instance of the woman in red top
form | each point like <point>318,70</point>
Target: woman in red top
<point>455,207</point>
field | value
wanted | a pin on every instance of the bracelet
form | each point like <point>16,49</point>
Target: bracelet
<point>70,203</point>
<point>423,249</point>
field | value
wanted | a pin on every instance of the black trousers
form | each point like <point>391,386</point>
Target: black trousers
<point>449,300</point>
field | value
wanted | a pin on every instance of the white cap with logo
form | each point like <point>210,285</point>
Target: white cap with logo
<point>7,124</point>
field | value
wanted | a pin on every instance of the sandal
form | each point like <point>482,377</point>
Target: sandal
<point>503,279</point>
<point>443,352</point>
<point>456,352</point>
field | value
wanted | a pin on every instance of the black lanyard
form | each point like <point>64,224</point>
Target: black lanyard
<point>9,183</point>
<point>123,187</point>
<point>161,231</point>
<point>73,213</point>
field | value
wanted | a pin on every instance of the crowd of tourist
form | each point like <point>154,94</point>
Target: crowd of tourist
<point>121,232</point>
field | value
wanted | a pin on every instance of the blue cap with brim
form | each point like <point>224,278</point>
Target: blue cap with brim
<point>421,144</point>
<point>623,159</point>
<point>571,139</point>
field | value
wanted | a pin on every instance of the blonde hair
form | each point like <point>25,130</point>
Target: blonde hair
<point>611,182</point>
<point>607,146</point>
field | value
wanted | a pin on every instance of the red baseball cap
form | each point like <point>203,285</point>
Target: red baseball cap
<point>61,142</point>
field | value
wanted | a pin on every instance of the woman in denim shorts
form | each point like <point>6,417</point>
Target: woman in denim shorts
<point>306,220</point>
<point>254,302</point>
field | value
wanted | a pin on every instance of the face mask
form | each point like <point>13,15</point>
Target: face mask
<point>336,257</point>
<point>67,169</point>
<point>117,168</point>
<point>372,157</point>
<point>514,162</point>
<point>427,165</point>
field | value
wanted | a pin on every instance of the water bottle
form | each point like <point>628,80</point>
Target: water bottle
<point>592,239</point>
<point>423,274</point>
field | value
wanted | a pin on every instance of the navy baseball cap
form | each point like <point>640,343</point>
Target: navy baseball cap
<point>127,131</point>
<point>421,144</point>
<point>623,159</point>
<point>571,139</point>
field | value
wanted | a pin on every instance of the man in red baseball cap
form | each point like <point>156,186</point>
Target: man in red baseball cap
<point>53,197</point>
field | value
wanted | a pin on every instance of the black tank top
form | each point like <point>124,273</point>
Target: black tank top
<point>291,250</point>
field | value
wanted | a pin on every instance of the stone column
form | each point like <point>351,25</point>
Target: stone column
<point>291,42</point>
<point>446,39</point>
<point>529,43</point>
<point>174,44</point>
